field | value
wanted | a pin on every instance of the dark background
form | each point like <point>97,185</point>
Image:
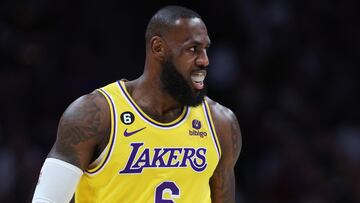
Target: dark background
<point>288,69</point>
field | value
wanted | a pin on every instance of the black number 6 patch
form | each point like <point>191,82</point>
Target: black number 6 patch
<point>127,118</point>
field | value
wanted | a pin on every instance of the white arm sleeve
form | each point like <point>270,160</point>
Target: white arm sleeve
<point>57,182</point>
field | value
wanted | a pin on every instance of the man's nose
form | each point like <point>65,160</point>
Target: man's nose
<point>202,59</point>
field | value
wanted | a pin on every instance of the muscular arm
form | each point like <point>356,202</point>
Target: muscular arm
<point>222,183</point>
<point>83,126</point>
<point>83,130</point>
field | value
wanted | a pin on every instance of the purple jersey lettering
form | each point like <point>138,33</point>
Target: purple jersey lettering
<point>141,158</point>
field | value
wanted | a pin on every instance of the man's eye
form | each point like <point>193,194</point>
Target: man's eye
<point>192,49</point>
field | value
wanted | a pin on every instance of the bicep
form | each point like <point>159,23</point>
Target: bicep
<point>79,131</point>
<point>222,182</point>
<point>222,185</point>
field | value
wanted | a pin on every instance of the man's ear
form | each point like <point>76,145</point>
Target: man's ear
<point>158,47</point>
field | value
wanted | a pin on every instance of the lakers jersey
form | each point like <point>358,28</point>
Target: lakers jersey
<point>147,161</point>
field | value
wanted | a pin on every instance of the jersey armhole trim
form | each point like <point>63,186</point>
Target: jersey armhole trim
<point>110,145</point>
<point>211,126</point>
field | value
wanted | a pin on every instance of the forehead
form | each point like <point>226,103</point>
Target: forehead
<point>189,30</point>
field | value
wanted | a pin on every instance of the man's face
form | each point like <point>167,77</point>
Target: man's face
<point>185,69</point>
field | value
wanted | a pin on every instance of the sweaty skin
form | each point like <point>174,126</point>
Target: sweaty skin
<point>84,128</point>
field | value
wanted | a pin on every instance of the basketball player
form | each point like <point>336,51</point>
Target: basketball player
<point>154,139</point>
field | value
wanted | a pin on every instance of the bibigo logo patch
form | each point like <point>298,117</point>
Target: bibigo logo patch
<point>196,124</point>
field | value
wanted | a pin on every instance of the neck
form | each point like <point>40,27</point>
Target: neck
<point>149,95</point>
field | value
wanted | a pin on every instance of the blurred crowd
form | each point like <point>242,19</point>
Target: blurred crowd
<point>288,69</point>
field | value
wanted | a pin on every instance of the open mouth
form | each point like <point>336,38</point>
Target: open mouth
<point>197,78</point>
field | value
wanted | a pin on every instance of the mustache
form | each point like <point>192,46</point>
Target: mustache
<point>200,68</point>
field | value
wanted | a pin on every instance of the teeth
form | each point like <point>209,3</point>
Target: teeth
<point>198,77</point>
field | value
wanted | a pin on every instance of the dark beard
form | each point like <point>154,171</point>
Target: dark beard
<point>177,87</point>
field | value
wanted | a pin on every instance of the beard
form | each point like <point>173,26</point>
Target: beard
<point>178,88</point>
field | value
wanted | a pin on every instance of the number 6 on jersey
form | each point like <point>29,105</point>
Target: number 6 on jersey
<point>166,188</point>
<point>127,118</point>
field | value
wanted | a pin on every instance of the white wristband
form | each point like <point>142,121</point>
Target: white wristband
<point>57,182</point>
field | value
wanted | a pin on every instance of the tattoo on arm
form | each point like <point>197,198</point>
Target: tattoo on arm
<point>222,182</point>
<point>221,191</point>
<point>79,124</point>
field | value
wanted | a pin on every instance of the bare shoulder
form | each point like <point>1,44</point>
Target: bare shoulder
<point>81,129</point>
<point>227,129</point>
<point>220,112</point>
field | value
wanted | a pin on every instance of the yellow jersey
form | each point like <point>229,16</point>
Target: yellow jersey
<point>147,161</point>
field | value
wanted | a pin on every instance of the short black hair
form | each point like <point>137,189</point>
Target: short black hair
<point>164,18</point>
